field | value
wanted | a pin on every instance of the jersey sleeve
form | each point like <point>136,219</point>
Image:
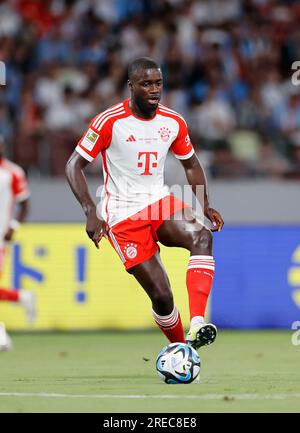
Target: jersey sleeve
<point>20,187</point>
<point>94,140</point>
<point>182,146</point>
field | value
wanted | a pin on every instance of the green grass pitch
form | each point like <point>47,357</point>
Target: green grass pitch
<point>114,372</point>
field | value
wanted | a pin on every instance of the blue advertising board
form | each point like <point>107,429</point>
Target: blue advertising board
<point>257,279</point>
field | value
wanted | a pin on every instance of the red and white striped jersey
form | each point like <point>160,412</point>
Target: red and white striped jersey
<point>13,188</point>
<point>133,151</point>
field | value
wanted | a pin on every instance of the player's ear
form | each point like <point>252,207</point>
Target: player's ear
<point>129,84</point>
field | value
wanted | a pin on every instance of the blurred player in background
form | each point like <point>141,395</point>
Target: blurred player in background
<point>14,193</point>
<point>138,211</point>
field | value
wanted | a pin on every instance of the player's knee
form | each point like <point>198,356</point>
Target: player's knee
<point>162,301</point>
<point>202,241</point>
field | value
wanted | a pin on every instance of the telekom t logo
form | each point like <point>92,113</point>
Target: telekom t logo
<point>147,160</point>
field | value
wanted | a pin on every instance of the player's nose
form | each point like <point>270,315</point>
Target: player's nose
<point>154,90</point>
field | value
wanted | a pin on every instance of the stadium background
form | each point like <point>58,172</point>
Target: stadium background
<point>228,70</point>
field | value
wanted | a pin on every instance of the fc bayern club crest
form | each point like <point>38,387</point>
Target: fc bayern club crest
<point>131,251</point>
<point>164,133</point>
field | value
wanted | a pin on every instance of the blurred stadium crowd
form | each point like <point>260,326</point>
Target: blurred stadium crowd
<point>226,64</point>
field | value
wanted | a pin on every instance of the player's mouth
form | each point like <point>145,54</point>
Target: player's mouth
<point>154,100</point>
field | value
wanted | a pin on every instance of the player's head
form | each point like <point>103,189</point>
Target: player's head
<point>145,83</point>
<point>2,147</point>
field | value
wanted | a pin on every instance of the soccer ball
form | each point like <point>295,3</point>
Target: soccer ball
<point>178,363</point>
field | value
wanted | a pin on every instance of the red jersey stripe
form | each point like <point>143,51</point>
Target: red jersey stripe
<point>97,125</point>
<point>112,109</point>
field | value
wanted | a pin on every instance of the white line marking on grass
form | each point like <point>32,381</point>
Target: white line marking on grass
<point>166,397</point>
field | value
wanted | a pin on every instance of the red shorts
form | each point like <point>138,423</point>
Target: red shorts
<point>135,239</point>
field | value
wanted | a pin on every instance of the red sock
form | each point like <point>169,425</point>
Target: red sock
<point>9,295</point>
<point>199,279</point>
<point>171,326</point>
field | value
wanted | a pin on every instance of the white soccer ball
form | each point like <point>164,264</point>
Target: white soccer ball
<point>178,363</point>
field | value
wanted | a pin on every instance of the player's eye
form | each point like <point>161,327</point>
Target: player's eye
<point>148,84</point>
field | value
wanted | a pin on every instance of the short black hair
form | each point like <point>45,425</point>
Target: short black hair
<point>141,63</point>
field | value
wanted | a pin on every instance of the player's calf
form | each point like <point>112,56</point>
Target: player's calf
<point>5,341</point>
<point>170,325</point>
<point>28,301</point>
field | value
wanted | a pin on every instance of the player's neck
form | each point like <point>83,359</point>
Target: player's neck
<point>139,112</point>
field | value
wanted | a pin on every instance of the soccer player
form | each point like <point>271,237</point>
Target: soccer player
<point>14,192</point>
<point>138,211</point>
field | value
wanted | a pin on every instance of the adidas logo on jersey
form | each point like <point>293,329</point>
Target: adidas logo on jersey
<point>131,138</point>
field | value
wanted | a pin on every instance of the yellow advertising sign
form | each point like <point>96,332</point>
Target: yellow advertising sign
<point>79,287</point>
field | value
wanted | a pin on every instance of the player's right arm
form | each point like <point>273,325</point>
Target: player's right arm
<point>95,226</point>
<point>96,139</point>
<point>90,145</point>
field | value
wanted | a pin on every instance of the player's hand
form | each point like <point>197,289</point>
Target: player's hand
<point>215,218</point>
<point>9,235</point>
<point>95,228</point>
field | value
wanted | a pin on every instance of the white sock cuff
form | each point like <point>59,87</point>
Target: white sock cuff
<point>202,261</point>
<point>197,320</point>
<point>166,321</point>
<point>202,256</point>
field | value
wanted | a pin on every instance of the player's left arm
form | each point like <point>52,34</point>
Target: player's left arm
<point>196,176</point>
<point>21,215</point>
<point>183,150</point>
<point>22,211</point>
<point>21,194</point>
